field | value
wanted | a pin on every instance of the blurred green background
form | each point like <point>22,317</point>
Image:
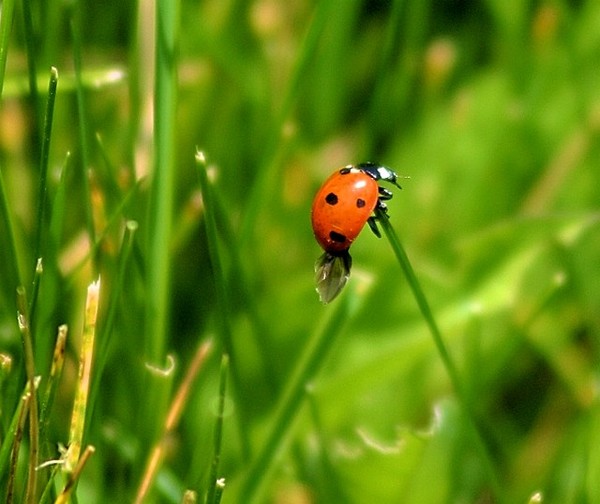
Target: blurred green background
<point>491,110</point>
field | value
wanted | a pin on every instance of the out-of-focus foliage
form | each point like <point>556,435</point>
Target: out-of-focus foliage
<point>492,112</point>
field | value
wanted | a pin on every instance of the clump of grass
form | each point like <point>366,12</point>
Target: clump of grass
<point>492,112</point>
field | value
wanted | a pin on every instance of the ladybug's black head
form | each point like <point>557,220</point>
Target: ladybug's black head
<point>379,172</point>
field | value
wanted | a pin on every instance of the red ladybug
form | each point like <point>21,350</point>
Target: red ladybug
<point>343,205</point>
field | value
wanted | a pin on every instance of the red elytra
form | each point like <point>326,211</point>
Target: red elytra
<point>342,207</point>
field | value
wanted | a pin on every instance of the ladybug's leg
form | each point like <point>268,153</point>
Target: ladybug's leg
<point>381,205</point>
<point>385,194</point>
<point>372,221</point>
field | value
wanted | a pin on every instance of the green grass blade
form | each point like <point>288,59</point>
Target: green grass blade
<point>427,314</point>
<point>163,181</point>
<point>17,438</point>
<point>222,296</point>
<point>81,401</point>
<point>379,98</point>
<point>14,272</point>
<point>83,119</point>
<point>239,279</point>
<point>115,218</point>
<point>419,295</point>
<point>35,291</point>
<point>34,428</point>
<point>213,479</point>
<point>9,439</point>
<point>292,397</point>
<point>59,205</point>
<point>43,187</point>
<point>105,338</point>
<point>159,221</point>
<point>6,22</point>
<point>31,65</point>
<point>58,360</point>
<point>267,174</point>
<point>224,309</point>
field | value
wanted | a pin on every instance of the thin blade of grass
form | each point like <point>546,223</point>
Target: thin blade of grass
<point>222,296</point>
<point>220,487</point>
<point>267,173</point>
<point>30,45</point>
<point>83,119</point>
<point>239,278</point>
<point>394,27</point>
<point>107,173</point>
<point>58,361</point>
<point>427,314</point>
<point>114,219</point>
<point>11,432</point>
<point>34,428</point>
<point>77,430</point>
<point>163,183</point>
<point>6,22</point>
<point>292,397</point>
<point>162,383</point>
<point>57,218</point>
<point>13,278</point>
<point>19,427</point>
<point>172,420</point>
<point>65,495</point>
<point>213,479</point>
<point>105,339</point>
<point>593,465</point>
<point>40,246</point>
<point>37,278</point>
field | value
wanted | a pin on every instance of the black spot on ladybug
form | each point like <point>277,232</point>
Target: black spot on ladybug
<point>360,203</point>
<point>337,237</point>
<point>345,171</point>
<point>331,199</point>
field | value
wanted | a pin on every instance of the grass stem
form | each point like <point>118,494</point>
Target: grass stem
<point>115,302</point>
<point>172,420</point>
<point>218,436</point>
<point>6,23</point>
<point>58,361</point>
<point>224,310</point>
<point>425,309</point>
<point>17,429</point>
<point>267,172</point>
<point>292,397</point>
<point>14,280</point>
<point>83,120</point>
<point>34,428</point>
<point>65,495</point>
<point>76,434</point>
<point>14,272</point>
<point>30,43</point>
<point>163,176</point>
<point>43,186</point>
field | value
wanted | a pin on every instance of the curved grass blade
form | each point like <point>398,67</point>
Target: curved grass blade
<point>425,309</point>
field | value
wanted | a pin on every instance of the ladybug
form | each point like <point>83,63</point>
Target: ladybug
<point>342,206</point>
